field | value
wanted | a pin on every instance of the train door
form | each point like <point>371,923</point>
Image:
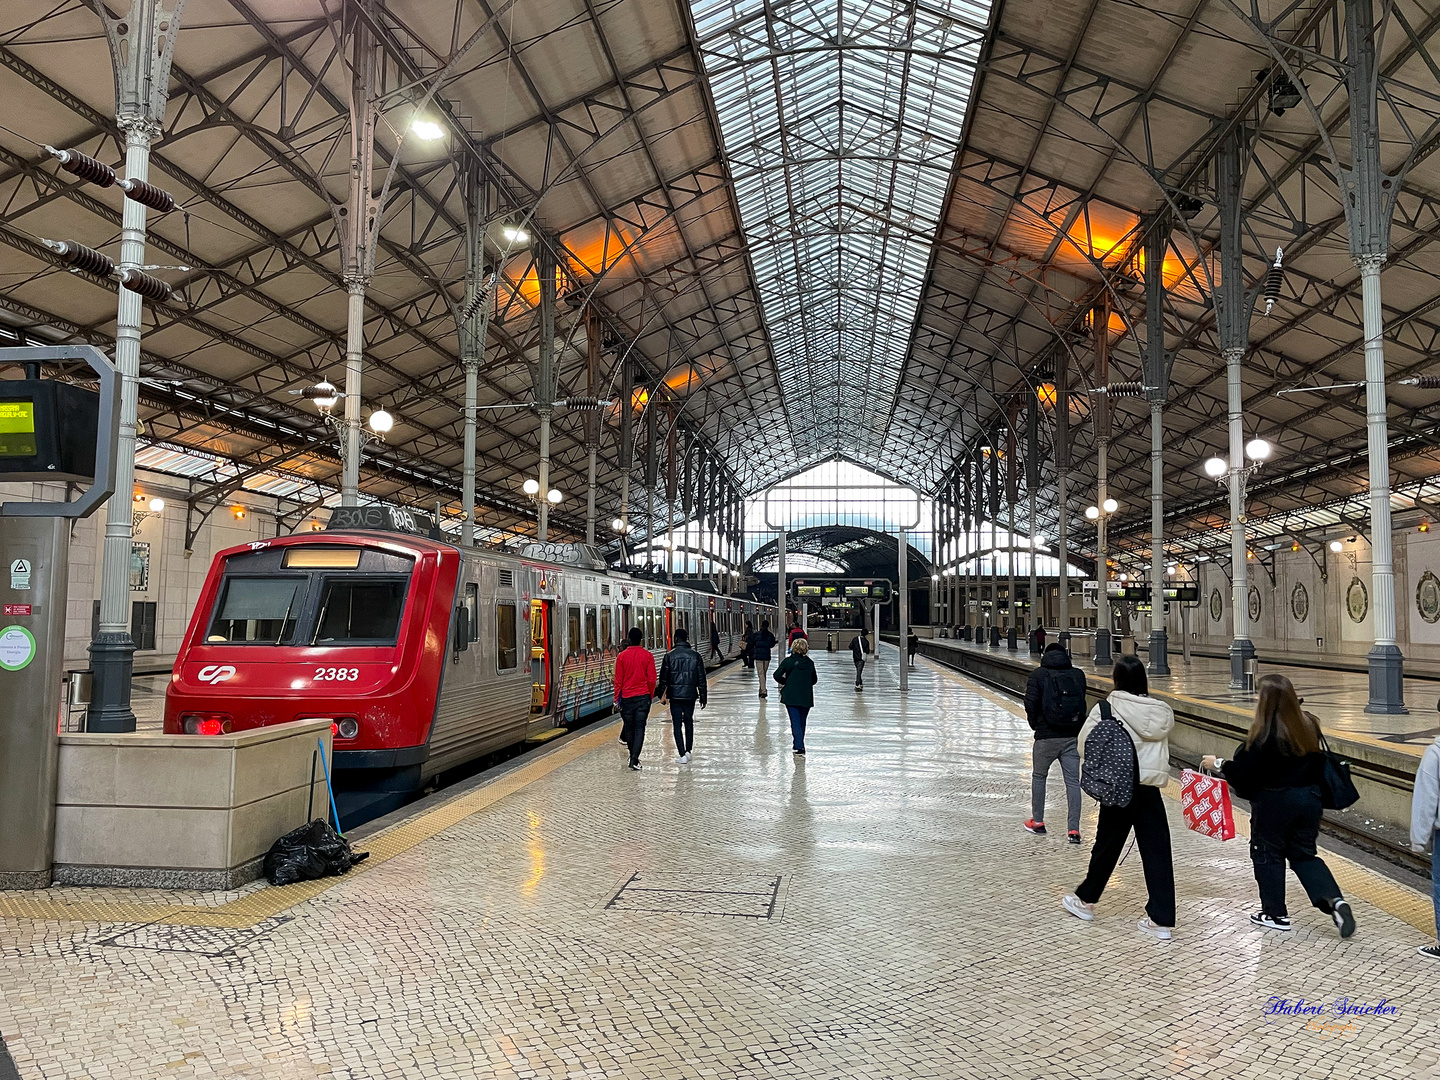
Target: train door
<point>542,654</point>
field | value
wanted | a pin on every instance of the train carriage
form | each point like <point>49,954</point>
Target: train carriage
<point>424,655</point>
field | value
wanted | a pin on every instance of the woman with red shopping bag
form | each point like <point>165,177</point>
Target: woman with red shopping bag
<point>1279,768</point>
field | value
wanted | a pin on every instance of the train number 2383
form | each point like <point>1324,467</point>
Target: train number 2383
<point>336,674</point>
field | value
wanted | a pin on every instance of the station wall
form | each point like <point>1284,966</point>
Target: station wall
<point>1324,603</point>
<point>162,574</point>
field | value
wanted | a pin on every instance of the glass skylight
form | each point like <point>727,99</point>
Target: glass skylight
<point>840,120</point>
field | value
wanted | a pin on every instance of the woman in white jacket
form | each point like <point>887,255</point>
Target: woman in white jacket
<point>1148,722</point>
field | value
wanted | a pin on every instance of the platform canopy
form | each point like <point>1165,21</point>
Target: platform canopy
<point>857,229</point>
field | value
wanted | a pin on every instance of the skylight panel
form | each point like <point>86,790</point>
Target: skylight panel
<point>840,122</point>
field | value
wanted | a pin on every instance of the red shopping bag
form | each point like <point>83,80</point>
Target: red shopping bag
<point>1205,805</point>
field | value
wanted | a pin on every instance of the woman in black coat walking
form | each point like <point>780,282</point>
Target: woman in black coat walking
<point>1278,768</point>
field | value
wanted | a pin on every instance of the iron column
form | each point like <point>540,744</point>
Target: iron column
<point>1234,326</point>
<point>141,49</point>
<point>1156,388</point>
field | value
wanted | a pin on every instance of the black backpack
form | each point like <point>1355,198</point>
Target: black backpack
<point>1110,767</point>
<point>1069,698</point>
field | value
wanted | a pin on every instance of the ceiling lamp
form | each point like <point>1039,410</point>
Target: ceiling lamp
<point>531,486</point>
<point>1110,506</point>
<point>426,128</point>
<point>514,234</point>
<point>381,421</point>
<point>1257,449</point>
<point>1337,546</point>
<point>157,504</point>
<point>1284,94</point>
<point>554,496</point>
<point>1216,467</point>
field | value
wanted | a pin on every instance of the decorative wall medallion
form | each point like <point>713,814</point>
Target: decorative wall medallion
<point>1300,602</point>
<point>1357,600</point>
<point>1217,605</point>
<point>1254,598</point>
<point>1427,597</point>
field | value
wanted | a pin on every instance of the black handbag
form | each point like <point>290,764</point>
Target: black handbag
<point>1337,790</point>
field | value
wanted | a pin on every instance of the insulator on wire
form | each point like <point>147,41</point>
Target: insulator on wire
<point>587,403</point>
<point>79,257</point>
<point>84,166</point>
<point>1274,279</point>
<point>151,288</point>
<point>148,195</point>
<point>1119,389</point>
<point>1424,382</point>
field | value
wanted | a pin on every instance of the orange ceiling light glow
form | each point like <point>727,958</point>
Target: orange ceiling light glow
<point>1045,394</point>
<point>684,380</point>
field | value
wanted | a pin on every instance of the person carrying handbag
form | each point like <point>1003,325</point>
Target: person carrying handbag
<point>1144,740</point>
<point>1280,768</point>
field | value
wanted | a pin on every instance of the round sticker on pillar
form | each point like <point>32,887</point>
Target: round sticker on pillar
<point>17,648</point>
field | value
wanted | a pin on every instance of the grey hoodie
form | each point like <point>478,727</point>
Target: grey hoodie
<point>1425,806</point>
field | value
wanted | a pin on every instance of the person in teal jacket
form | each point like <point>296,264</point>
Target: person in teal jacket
<point>797,678</point>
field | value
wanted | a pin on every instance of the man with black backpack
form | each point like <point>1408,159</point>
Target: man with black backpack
<point>1055,709</point>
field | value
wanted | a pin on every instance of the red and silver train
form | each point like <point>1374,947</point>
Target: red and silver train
<point>424,655</point>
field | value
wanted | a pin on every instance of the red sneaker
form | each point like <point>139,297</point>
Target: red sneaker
<point>1037,827</point>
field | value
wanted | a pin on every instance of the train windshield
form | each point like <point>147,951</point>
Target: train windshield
<point>363,612</point>
<point>259,610</point>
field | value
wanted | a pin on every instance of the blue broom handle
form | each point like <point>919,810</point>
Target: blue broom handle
<point>329,786</point>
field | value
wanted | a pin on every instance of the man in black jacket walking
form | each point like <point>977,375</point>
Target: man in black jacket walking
<point>682,682</point>
<point>859,649</point>
<point>1055,709</point>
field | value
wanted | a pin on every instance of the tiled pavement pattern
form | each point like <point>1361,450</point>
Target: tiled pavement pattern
<point>916,932</point>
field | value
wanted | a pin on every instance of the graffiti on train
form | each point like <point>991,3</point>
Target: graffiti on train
<point>587,683</point>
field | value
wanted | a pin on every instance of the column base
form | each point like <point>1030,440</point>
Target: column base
<point>1012,640</point>
<point>112,659</point>
<point>1387,687</point>
<point>1104,657</point>
<point>1241,651</point>
<point>1159,653</point>
<point>994,637</point>
<point>1064,640</point>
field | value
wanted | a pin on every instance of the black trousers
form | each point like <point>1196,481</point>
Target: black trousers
<point>860,672</point>
<point>682,716</point>
<point>1284,823</point>
<point>634,711</point>
<point>1146,815</point>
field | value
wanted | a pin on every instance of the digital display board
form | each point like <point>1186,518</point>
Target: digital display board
<point>1185,593</point>
<point>857,590</point>
<point>17,429</point>
<point>807,590</point>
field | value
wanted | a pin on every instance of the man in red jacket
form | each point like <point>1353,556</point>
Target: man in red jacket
<point>634,690</point>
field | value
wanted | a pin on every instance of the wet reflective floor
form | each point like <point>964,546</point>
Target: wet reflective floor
<point>872,910</point>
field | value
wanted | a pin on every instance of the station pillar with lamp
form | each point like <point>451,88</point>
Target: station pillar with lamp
<point>50,432</point>
<point>1235,475</point>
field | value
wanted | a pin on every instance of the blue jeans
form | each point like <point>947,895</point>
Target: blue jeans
<point>798,714</point>
<point>1435,879</point>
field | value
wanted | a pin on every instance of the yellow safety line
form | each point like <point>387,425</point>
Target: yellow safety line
<point>1404,903</point>
<point>246,911</point>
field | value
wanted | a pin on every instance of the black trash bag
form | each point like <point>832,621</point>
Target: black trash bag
<point>312,851</point>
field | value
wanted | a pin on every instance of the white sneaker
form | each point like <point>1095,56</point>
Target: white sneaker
<point>1077,907</point>
<point>1154,929</point>
<point>685,760</point>
<point>680,758</point>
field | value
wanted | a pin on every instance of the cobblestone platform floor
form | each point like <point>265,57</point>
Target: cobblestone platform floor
<point>873,910</point>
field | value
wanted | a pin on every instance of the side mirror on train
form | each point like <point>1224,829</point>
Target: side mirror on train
<point>462,629</point>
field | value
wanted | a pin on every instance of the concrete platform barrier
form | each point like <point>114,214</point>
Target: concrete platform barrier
<point>183,811</point>
<point>1384,772</point>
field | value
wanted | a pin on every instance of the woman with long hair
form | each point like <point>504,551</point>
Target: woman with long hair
<point>1278,768</point>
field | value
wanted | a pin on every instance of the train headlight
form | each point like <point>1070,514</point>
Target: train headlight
<point>347,727</point>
